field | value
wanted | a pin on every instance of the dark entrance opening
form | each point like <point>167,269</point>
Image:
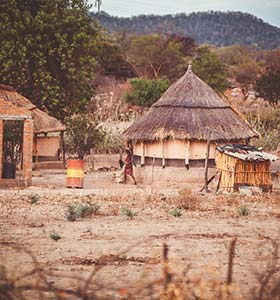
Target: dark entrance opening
<point>12,149</point>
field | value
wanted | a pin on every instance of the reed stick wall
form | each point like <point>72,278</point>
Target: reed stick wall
<point>235,173</point>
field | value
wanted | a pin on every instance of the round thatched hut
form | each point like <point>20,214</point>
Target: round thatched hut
<point>174,132</point>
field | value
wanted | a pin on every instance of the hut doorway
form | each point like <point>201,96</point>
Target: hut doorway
<point>12,152</point>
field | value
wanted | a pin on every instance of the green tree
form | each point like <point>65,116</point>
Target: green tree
<point>210,69</point>
<point>268,87</point>
<point>82,134</point>
<point>145,92</point>
<point>47,52</point>
<point>235,55</point>
<point>111,60</point>
<point>154,56</point>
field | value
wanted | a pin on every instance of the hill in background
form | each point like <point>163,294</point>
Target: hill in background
<point>215,28</point>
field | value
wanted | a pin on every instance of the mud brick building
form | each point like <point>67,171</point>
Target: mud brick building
<point>10,112</point>
<point>47,132</point>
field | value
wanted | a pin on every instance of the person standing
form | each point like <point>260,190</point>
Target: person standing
<point>128,169</point>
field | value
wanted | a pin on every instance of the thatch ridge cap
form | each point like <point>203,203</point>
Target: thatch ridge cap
<point>190,91</point>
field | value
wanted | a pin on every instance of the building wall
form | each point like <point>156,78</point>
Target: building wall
<point>175,149</point>
<point>47,146</point>
<point>198,150</point>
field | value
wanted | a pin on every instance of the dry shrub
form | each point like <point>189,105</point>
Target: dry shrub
<point>269,279</point>
<point>198,288</point>
<point>187,200</point>
<point>42,284</point>
<point>231,200</point>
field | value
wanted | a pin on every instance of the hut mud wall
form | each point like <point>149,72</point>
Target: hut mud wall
<point>173,152</point>
<point>175,149</point>
<point>236,173</point>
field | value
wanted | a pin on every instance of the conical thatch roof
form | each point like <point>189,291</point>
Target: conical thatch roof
<point>43,123</point>
<point>189,109</point>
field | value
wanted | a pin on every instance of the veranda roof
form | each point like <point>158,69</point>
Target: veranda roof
<point>43,123</point>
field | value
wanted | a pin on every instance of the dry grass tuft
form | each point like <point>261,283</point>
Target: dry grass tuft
<point>187,200</point>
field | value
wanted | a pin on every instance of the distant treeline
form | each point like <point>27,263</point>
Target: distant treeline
<point>215,28</point>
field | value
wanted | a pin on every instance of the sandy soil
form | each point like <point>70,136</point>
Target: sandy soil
<point>198,240</point>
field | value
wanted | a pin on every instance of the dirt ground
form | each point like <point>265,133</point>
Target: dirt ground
<point>130,248</point>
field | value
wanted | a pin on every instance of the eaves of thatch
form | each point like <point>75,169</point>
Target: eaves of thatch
<point>190,109</point>
<point>43,123</point>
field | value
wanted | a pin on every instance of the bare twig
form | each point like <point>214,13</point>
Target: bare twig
<point>230,260</point>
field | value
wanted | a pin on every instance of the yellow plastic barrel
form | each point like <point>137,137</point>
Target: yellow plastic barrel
<point>75,173</point>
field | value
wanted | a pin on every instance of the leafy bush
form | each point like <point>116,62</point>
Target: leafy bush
<point>87,209</point>
<point>176,212</point>
<point>71,212</point>
<point>210,69</point>
<point>82,134</point>
<point>81,210</point>
<point>243,211</point>
<point>145,92</point>
<point>55,236</point>
<point>268,87</point>
<point>111,143</point>
<point>128,213</point>
<point>34,198</point>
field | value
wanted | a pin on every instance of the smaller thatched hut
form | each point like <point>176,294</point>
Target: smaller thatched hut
<point>175,131</point>
<point>243,165</point>
<point>48,131</point>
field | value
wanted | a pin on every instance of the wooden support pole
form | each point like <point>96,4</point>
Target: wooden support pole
<point>153,168</point>
<point>36,147</point>
<point>142,154</point>
<point>1,147</point>
<point>63,147</point>
<point>163,154</point>
<point>206,162</point>
<point>187,162</point>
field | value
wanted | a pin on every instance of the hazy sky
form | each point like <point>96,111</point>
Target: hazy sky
<point>268,10</point>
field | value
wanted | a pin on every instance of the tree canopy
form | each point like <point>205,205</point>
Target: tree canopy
<point>82,134</point>
<point>48,51</point>
<point>155,56</point>
<point>268,87</point>
<point>145,92</point>
<point>210,69</point>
